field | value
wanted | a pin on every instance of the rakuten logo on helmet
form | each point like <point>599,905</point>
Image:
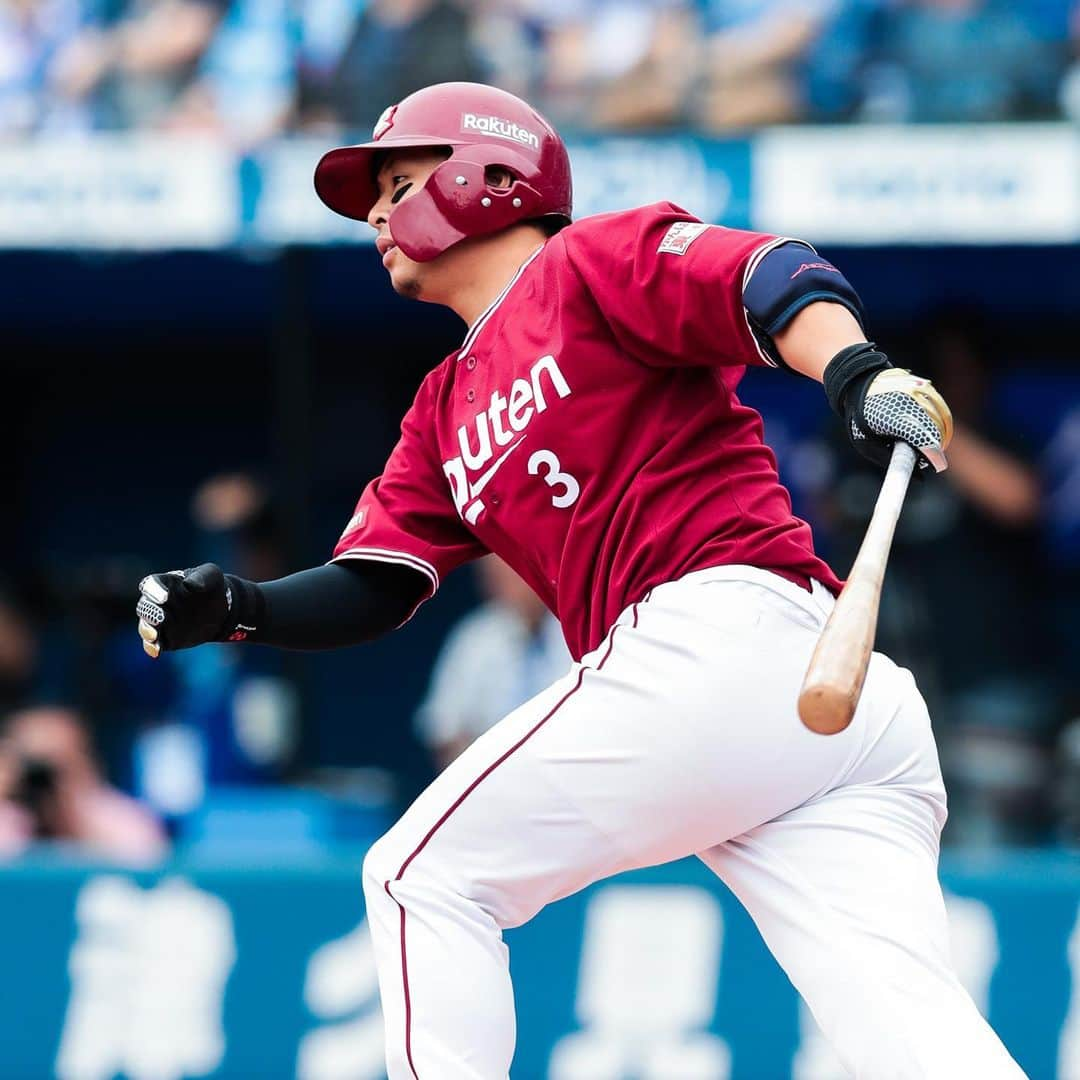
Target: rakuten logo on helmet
<point>502,129</point>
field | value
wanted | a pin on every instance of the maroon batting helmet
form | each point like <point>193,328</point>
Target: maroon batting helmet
<point>481,127</point>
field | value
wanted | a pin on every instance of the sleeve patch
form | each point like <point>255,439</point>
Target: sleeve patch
<point>680,236</point>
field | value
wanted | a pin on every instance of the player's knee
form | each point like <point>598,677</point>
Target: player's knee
<point>388,871</point>
<point>379,867</point>
<point>386,862</point>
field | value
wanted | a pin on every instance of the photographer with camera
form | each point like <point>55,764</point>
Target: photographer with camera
<point>51,790</point>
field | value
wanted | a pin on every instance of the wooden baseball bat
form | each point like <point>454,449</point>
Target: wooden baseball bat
<point>834,679</point>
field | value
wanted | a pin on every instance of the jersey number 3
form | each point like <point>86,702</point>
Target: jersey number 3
<point>554,477</point>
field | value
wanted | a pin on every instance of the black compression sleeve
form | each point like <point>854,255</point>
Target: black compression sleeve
<point>330,606</point>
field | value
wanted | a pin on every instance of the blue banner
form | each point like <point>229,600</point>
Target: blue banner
<point>266,972</point>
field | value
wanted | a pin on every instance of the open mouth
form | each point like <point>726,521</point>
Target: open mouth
<point>385,245</point>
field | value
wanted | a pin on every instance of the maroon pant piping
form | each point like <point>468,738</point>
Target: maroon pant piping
<point>457,802</point>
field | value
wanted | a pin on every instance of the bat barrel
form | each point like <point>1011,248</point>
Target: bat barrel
<point>837,671</point>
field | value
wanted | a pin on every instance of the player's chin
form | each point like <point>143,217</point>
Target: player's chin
<point>406,283</point>
<point>404,273</point>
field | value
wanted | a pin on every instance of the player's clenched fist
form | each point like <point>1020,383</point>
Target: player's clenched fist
<point>881,404</point>
<point>183,608</point>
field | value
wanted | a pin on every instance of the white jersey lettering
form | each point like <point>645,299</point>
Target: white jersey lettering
<point>527,398</point>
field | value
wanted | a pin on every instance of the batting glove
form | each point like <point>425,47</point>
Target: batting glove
<point>881,404</point>
<point>183,608</point>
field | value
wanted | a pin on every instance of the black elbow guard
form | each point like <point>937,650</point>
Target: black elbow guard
<point>787,279</point>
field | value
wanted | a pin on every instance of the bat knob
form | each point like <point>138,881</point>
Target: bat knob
<point>825,709</point>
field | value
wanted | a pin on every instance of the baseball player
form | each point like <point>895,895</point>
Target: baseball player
<point>589,432</point>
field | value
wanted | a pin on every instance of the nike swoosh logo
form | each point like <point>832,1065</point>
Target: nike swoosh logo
<point>484,479</point>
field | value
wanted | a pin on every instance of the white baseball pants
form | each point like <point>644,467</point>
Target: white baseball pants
<point>679,735</point>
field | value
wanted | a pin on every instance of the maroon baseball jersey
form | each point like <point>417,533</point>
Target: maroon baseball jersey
<point>588,430</point>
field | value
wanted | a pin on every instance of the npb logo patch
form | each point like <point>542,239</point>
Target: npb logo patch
<point>680,236</point>
<point>501,129</point>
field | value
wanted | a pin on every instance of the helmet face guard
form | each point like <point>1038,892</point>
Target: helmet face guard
<point>483,128</point>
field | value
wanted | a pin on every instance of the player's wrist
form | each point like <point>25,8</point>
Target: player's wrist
<point>851,370</point>
<point>881,404</point>
<point>846,380</point>
<point>246,610</point>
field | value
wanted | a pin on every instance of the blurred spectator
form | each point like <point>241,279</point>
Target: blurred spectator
<point>963,602</point>
<point>995,530</point>
<point>1061,464</point>
<point>323,31</point>
<point>133,70</point>
<point>618,63</point>
<point>235,518</point>
<point>755,57</point>
<point>244,87</point>
<point>495,659</point>
<point>246,70</point>
<point>32,32</point>
<point>395,47</point>
<point>1069,94</point>
<point>221,715</point>
<point>837,61</point>
<point>18,655</point>
<point>1068,783</point>
<point>51,789</point>
<point>963,61</point>
<point>1061,461</point>
<point>508,36</point>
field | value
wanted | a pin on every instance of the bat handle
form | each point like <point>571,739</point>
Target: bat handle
<point>834,679</point>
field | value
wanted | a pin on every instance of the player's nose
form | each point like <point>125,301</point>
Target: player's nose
<point>378,214</point>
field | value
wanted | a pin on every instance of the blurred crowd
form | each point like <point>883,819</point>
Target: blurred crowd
<point>246,70</point>
<point>109,755</point>
<point>982,586</point>
<point>980,601</point>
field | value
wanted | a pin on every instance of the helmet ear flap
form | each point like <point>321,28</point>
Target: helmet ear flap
<point>461,191</point>
<point>457,185</point>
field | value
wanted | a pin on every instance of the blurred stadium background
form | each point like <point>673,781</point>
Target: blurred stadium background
<point>200,363</point>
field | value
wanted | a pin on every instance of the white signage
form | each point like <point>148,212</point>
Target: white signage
<point>117,191</point>
<point>342,990</point>
<point>647,988</point>
<point>148,976</point>
<point>618,174</point>
<point>289,210</point>
<point>971,184</point>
